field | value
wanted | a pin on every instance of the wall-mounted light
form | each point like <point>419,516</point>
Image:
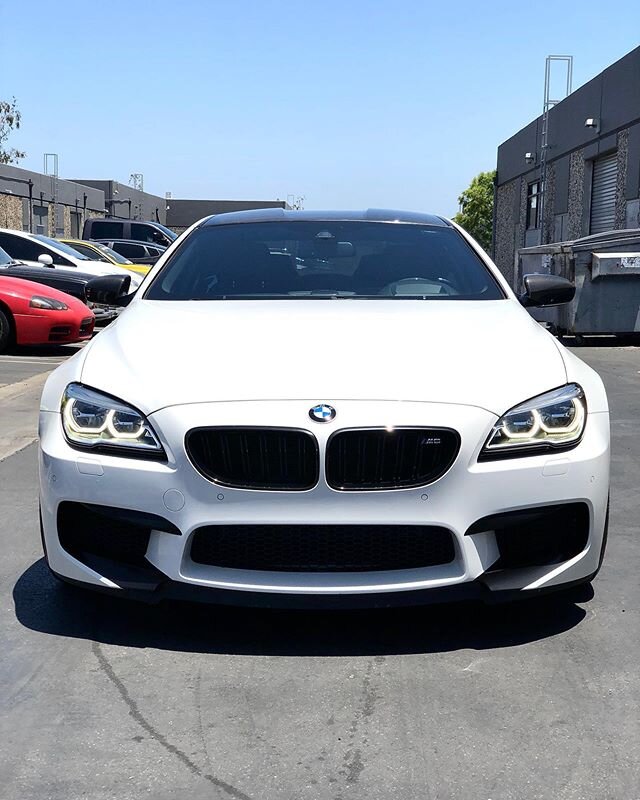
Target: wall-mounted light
<point>593,123</point>
<point>529,158</point>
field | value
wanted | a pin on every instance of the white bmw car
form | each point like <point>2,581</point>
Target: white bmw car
<point>321,407</point>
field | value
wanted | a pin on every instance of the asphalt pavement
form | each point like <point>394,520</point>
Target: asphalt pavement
<point>104,699</point>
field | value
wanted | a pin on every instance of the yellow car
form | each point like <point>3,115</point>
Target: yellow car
<point>100,252</point>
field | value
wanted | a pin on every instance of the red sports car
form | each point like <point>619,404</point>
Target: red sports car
<point>31,313</point>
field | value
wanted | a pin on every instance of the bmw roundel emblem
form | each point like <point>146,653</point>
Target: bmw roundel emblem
<point>322,413</point>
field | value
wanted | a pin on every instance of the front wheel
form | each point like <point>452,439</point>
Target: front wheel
<point>5,331</point>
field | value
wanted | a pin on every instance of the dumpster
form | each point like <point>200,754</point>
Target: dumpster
<point>605,268</point>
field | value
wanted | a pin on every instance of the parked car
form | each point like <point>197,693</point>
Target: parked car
<point>139,253</point>
<point>33,314</point>
<point>97,251</point>
<point>41,251</point>
<point>102,228</point>
<point>379,423</point>
<point>72,283</point>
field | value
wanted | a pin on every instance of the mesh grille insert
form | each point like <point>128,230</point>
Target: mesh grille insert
<point>322,548</point>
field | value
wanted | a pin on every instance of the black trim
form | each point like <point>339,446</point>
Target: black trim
<point>153,593</point>
<point>140,518</point>
<point>525,451</point>
<point>252,486</point>
<point>431,480</point>
<point>537,536</point>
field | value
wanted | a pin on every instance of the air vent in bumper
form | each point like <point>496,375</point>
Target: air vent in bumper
<point>322,548</point>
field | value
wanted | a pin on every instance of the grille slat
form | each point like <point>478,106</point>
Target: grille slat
<point>322,548</point>
<point>399,458</point>
<point>255,458</point>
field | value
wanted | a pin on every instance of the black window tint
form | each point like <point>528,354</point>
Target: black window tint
<point>105,229</point>
<point>89,252</point>
<point>130,250</point>
<point>148,233</point>
<point>313,260</point>
<point>21,248</point>
<point>142,233</point>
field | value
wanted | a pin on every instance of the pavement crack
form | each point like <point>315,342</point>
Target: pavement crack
<point>138,716</point>
<point>353,761</point>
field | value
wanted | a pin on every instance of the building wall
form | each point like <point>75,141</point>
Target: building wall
<point>576,194</point>
<point>613,99</point>
<point>122,200</point>
<point>10,212</point>
<point>506,232</point>
<point>21,189</point>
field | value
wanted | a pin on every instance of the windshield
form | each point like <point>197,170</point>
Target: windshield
<point>61,246</point>
<point>320,260</point>
<point>5,258</point>
<point>113,256</point>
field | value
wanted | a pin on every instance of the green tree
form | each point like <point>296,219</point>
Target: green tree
<point>476,209</point>
<point>9,120</point>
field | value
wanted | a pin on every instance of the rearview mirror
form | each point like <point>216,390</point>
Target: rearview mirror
<point>109,290</point>
<point>546,290</point>
<point>45,259</point>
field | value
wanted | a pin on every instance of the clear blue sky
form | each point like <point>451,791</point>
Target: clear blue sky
<point>352,103</point>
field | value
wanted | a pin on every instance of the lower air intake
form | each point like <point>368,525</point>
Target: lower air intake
<point>322,548</point>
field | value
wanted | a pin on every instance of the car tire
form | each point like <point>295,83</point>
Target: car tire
<point>6,330</point>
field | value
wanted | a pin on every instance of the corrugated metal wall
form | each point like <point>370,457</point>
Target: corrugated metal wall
<point>603,193</point>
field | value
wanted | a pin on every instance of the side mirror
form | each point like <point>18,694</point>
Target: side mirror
<point>546,290</point>
<point>45,259</point>
<point>109,290</point>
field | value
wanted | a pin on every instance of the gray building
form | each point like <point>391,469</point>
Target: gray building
<point>592,168</point>
<point>122,200</point>
<point>31,201</point>
<point>183,213</point>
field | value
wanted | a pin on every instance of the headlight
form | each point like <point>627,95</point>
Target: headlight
<point>48,303</point>
<point>551,421</point>
<point>103,424</point>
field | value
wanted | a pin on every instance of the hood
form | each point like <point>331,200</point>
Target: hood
<point>96,268</point>
<point>161,353</point>
<point>25,289</point>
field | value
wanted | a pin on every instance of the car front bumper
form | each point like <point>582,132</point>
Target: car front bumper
<point>470,501</point>
<point>53,327</point>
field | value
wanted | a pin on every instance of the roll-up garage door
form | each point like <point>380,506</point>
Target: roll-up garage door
<point>603,193</point>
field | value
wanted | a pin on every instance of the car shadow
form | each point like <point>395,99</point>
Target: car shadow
<point>45,605</point>
<point>601,342</point>
<point>45,350</point>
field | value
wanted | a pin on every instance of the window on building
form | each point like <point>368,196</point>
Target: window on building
<point>533,205</point>
<point>41,219</point>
